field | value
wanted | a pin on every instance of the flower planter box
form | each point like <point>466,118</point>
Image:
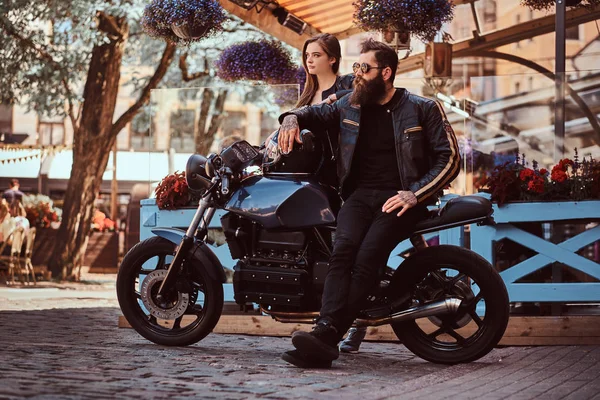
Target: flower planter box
<point>484,238</point>
<point>43,245</point>
<point>102,252</point>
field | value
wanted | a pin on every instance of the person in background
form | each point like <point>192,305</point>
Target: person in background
<point>18,213</point>
<point>6,223</point>
<point>13,192</point>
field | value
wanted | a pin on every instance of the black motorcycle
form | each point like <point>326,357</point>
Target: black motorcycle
<point>445,303</point>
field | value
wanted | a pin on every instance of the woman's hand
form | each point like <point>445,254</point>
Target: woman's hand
<point>405,199</point>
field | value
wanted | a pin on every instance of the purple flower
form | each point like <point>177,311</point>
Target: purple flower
<point>206,16</point>
<point>551,4</point>
<point>263,60</point>
<point>423,18</point>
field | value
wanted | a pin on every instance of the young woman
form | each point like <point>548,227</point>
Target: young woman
<point>321,58</point>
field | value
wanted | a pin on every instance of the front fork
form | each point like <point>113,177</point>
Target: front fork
<point>202,218</point>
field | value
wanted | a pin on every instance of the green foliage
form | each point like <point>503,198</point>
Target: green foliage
<point>45,49</point>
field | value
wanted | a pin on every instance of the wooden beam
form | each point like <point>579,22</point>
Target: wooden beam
<point>347,33</point>
<point>267,22</point>
<point>501,37</point>
<point>521,331</point>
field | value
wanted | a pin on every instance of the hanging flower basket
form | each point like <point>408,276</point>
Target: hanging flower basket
<point>264,61</point>
<point>422,18</point>
<point>551,4</point>
<point>183,21</point>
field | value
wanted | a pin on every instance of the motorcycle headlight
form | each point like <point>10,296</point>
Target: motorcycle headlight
<point>195,173</point>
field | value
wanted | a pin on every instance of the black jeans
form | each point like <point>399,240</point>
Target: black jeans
<point>365,237</point>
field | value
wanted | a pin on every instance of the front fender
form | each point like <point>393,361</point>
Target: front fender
<point>201,252</point>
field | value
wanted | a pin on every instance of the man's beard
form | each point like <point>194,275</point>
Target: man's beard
<point>368,91</point>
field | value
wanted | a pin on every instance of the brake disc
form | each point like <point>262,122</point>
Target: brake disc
<point>169,310</point>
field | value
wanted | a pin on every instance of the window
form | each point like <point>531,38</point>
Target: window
<point>530,83</point>
<point>234,123</point>
<point>572,33</point>
<point>51,133</point>
<point>182,131</point>
<point>517,87</point>
<point>6,115</point>
<point>139,131</point>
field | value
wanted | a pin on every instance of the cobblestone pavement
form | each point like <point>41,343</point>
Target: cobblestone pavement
<point>64,343</point>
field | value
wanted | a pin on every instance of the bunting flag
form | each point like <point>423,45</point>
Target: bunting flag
<point>43,152</point>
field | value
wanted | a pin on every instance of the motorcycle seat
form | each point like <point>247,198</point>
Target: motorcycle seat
<point>457,212</point>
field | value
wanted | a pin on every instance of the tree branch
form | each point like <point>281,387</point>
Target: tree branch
<point>107,24</point>
<point>44,55</point>
<point>159,73</point>
<point>185,76</point>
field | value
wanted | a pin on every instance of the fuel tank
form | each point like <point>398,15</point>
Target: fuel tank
<point>284,202</point>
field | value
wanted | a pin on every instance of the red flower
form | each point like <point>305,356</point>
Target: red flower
<point>543,171</point>
<point>559,175</point>
<point>536,185</point>
<point>526,174</point>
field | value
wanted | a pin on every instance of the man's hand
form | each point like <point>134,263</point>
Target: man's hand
<point>288,132</point>
<point>405,199</point>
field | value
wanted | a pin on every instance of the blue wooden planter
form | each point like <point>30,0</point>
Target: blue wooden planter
<point>152,217</point>
<point>483,239</point>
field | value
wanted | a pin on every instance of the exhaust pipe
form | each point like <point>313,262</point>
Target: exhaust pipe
<point>446,306</point>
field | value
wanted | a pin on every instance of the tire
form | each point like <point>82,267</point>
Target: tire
<point>415,273</point>
<point>133,271</point>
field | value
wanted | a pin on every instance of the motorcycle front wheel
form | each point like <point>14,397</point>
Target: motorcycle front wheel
<point>441,272</point>
<point>187,316</point>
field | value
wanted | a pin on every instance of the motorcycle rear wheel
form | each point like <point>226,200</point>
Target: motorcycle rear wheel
<point>442,272</point>
<point>181,322</point>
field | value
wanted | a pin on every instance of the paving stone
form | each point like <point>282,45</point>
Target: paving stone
<point>64,345</point>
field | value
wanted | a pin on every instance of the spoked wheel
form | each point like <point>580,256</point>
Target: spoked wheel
<point>186,316</point>
<point>441,272</point>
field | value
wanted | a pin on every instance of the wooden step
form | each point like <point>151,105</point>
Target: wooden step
<point>521,331</point>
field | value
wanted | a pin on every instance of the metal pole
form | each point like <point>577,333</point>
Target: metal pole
<point>559,114</point>
<point>559,106</point>
<point>114,187</point>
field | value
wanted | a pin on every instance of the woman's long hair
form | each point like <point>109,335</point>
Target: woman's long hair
<point>331,47</point>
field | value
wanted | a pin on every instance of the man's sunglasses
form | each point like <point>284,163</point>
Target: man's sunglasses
<point>364,67</point>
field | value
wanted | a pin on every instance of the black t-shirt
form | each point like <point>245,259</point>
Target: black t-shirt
<point>375,165</point>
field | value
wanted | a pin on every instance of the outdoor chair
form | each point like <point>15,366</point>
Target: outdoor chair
<point>18,238</point>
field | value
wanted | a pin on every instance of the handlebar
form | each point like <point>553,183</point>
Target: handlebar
<point>225,184</point>
<point>225,173</point>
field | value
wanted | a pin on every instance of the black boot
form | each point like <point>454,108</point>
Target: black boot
<point>320,344</point>
<point>296,358</point>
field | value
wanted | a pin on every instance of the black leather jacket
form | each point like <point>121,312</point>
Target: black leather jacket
<point>426,146</point>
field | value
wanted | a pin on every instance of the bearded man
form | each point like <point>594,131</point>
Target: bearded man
<point>397,152</point>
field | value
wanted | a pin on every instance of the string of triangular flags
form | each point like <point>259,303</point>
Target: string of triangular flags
<point>43,152</point>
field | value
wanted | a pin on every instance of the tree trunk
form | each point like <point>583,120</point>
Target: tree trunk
<point>208,124</point>
<point>92,142</point>
<point>93,139</point>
